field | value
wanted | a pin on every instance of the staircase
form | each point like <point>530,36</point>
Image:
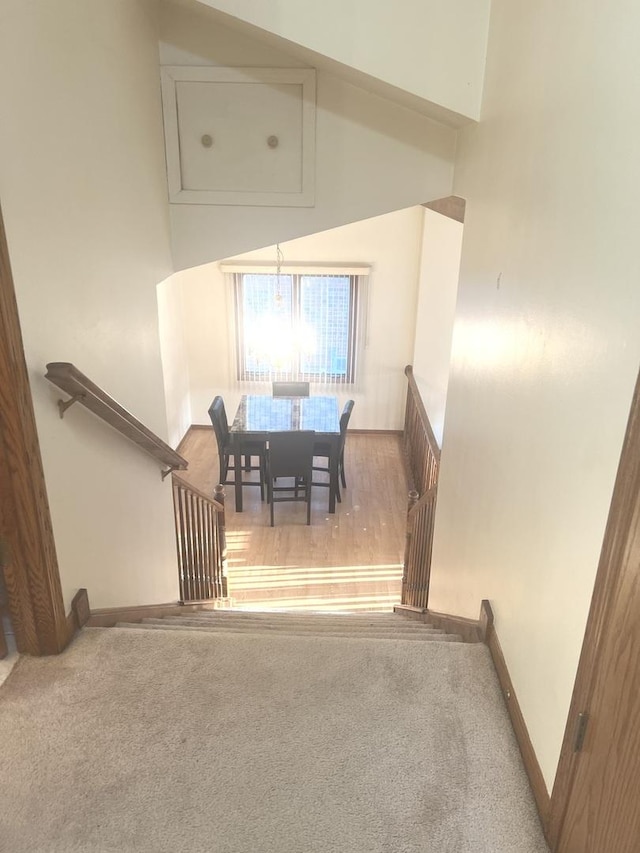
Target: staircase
<point>234,731</point>
<point>373,626</point>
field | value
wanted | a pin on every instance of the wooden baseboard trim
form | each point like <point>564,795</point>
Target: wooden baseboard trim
<point>375,431</point>
<point>351,432</point>
<point>482,630</point>
<point>79,613</point>
<point>183,440</point>
<point>109,616</point>
<point>486,619</point>
<point>80,608</point>
<point>471,630</point>
<point>529,758</point>
<point>4,648</point>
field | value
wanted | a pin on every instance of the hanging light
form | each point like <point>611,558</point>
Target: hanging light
<point>279,259</point>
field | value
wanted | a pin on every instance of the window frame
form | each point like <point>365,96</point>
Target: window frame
<point>356,274</point>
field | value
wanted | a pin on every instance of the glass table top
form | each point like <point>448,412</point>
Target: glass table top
<point>262,413</point>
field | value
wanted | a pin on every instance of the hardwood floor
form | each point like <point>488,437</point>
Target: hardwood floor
<point>349,561</point>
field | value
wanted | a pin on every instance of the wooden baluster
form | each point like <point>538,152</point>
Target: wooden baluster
<point>192,546</point>
<point>184,545</point>
<point>202,550</point>
<point>215,554</point>
<point>199,536</point>
<point>197,539</point>
<point>213,550</point>
<point>413,497</point>
<point>222,532</point>
<point>176,522</point>
<point>206,548</point>
<point>429,545</point>
<point>424,538</point>
<point>193,538</point>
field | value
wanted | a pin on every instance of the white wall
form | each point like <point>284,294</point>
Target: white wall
<point>546,346</point>
<point>84,199</point>
<point>439,270</point>
<point>372,156</point>
<point>391,244</point>
<point>434,49</point>
<point>175,364</point>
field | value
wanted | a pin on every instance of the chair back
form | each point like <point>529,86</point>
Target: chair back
<point>344,420</point>
<point>290,454</point>
<point>218,416</point>
<point>290,389</point>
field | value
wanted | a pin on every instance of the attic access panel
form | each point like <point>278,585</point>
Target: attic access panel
<point>240,136</point>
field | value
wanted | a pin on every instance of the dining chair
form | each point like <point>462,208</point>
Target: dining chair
<point>324,449</point>
<point>290,389</point>
<point>290,455</point>
<point>249,449</point>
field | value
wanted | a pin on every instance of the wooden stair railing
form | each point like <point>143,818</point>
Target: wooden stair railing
<point>82,390</point>
<point>420,445</point>
<point>199,519</point>
<point>423,464</point>
<point>201,542</point>
<point>419,543</point>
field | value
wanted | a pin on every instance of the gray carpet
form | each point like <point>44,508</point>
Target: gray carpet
<point>177,741</point>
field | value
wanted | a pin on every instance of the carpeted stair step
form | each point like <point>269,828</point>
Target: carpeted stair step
<point>284,615</point>
<point>150,739</point>
<point>383,620</point>
<point>298,628</point>
<point>343,626</point>
<point>367,616</point>
<point>169,625</point>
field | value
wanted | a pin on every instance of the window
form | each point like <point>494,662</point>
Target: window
<point>296,325</point>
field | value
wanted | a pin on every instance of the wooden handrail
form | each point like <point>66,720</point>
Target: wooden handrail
<point>421,448</point>
<point>416,506</point>
<point>69,379</point>
<point>422,412</point>
<point>205,497</point>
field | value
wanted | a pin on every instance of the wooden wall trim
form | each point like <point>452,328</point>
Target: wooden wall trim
<point>617,541</point>
<point>374,432</point>
<point>183,440</point>
<point>529,758</point>
<point>80,608</point>
<point>110,616</point>
<point>79,614</point>
<point>4,648</point>
<point>471,630</point>
<point>31,570</point>
<point>452,206</point>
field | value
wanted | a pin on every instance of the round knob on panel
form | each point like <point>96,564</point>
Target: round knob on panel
<point>207,140</point>
<point>273,141</point>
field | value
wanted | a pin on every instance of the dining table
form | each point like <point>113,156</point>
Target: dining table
<point>259,415</point>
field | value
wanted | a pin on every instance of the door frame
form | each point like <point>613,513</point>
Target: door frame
<point>625,504</point>
<point>31,573</point>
